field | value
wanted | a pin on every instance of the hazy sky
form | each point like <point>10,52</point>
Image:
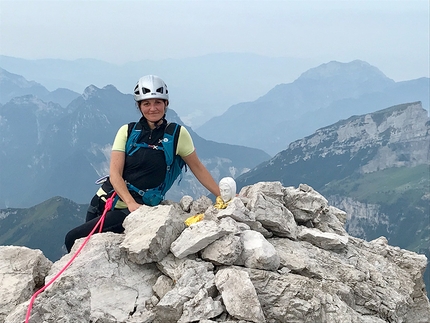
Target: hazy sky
<point>391,35</point>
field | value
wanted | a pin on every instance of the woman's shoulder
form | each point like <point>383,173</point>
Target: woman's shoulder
<point>124,129</point>
<point>183,129</point>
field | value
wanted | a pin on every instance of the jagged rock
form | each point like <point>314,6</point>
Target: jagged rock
<point>185,203</point>
<point>274,216</point>
<point>200,205</point>
<point>295,298</point>
<point>231,226</point>
<point>190,277</point>
<point>257,252</point>
<point>202,306</point>
<point>237,211</point>
<point>150,232</point>
<point>365,279</point>
<point>221,270</point>
<point>238,294</point>
<point>257,226</point>
<point>100,283</point>
<point>196,237</point>
<point>224,251</point>
<point>22,272</point>
<point>270,189</point>
<point>331,220</point>
<point>324,240</point>
<point>225,321</point>
<point>56,306</point>
<point>163,285</point>
<point>304,202</point>
<point>175,268</point>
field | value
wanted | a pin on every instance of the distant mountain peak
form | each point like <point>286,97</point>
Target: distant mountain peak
<point>13,85</point>
<point>110,87</point>
<point>93,91</point>
<point>16,79</point>
<point>90,91</point>
<point>356,69</point>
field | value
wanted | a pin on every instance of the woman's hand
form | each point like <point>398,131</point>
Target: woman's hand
<point>133,206</point>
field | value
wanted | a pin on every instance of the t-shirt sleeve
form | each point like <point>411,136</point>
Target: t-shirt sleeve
<point>185,143</point>
<point>121,139</point>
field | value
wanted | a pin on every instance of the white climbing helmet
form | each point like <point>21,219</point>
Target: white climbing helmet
<point>150,87</point>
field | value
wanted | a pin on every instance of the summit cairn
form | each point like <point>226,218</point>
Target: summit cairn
<point>273,254</point>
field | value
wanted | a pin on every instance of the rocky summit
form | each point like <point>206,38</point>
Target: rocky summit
<point>272,254</point>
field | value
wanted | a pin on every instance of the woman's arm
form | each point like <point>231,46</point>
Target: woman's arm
<point>201,173</point>
<point>115,175</point>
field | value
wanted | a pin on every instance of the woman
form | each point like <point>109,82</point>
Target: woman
<point>144,169</point>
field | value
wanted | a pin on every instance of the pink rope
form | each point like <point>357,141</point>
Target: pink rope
<point>100,223</point>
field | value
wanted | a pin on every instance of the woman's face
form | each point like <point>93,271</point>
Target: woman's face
<point>153,109</point>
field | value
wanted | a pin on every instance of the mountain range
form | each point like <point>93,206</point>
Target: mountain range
<point>56,146</point>
<point>351,133</point>
<point>200,87</point>
<point>51,150</point>
<point>319,97</point>
<point>12,86</point>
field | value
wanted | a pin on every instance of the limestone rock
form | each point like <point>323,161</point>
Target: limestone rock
<point>304,202</point>
<point>224,251</point>
<point>196,237</point>
<point>239,295</point>
<point>150,232</point>
<point>331,220</point>
<point>190,277</point>
<point>22,272</point>
<point>324,240</point>
<point>270,189</point>
<point>257,252</point>
<point>163,285</point>
<point>202,306</point>
<point>237,211</point>
<point>185,203</point>
<point>200,205</point>
<point>274,216</point>
<point>277,255</point>
<point>100,283</point>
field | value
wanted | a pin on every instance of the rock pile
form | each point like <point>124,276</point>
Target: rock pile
<point>274,254</point>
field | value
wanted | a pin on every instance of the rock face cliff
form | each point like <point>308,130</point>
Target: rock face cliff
<point>374,166</point>
<point>394,137</point>
<point>274,254</point>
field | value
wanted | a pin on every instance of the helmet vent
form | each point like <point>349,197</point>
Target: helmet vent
<point>145,90</point>
<point>160,90</point>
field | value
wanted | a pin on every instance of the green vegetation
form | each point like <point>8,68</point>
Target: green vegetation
<point>403,194</point>
<point>384,187</point>
<point>43,226</point>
